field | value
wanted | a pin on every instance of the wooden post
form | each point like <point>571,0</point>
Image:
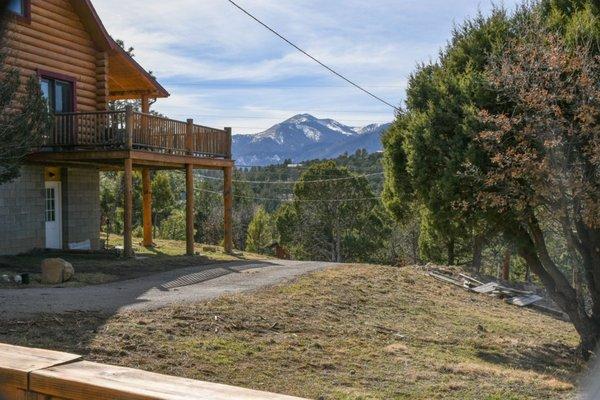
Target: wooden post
<point>145,110</point>
<point>145,104</point>
<point>128,127</point>
<point>189,209</point>
<point>228,209</point>
<point>147,202</point>
<point>128,208</point>
<point>228,143</point>
<point>189,136</point>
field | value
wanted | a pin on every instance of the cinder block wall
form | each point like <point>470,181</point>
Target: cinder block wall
<point>83,206</point>
<point>22,225</point>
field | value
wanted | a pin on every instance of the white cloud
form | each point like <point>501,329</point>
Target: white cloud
<point>375,42</point>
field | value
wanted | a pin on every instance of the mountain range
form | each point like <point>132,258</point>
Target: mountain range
<point>305,137</point>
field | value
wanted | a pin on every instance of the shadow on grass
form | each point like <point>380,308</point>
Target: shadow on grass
<point>540,358</point>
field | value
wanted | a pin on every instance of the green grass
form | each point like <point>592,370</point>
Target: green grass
<point>354,332</point>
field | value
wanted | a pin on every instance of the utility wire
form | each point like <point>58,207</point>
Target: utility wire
<point>294,182</point>
<point>313,58</point>
<point>290,200</point>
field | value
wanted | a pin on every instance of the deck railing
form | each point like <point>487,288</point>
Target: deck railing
<point>129,129</point>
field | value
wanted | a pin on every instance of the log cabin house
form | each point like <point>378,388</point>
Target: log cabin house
<point>55,202</point>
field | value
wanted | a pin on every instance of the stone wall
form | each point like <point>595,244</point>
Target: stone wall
<point>22,225</point>
<point>82,206</point>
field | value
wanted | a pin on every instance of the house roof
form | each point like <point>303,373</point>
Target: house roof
<point>126,78</point>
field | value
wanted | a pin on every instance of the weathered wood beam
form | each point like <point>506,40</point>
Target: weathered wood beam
<point>147,204</point>
<point>189,209</point>
<point>228,208</point>
<point>128,209</point>
<point>140,157</point>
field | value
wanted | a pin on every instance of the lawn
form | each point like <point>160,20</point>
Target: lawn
<point>97,268</point>
<point>353,332</point>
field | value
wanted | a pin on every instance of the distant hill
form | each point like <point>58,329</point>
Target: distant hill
<point>304,137</point>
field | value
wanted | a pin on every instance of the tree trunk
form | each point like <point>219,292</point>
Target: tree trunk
<point>478,242</point>
<point>450,249</point>
<point>558,287</point>
<point>506,264</point>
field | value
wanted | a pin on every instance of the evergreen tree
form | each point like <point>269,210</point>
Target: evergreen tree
<point>261,232</point>
<point>24,120</point>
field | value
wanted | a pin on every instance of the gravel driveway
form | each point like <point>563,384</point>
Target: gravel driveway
<point>186,285</point>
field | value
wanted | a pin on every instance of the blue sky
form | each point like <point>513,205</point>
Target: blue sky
<point>223,69</point>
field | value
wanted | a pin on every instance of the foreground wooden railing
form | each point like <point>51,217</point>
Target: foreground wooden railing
<point>133,130</point>
<point>34,374</point>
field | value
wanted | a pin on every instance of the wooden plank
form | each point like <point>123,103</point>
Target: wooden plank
<point>486,288</point>
<point>523,301</point>
<point>445,278</point>
<point>87,380</point>
<point>17,362</point>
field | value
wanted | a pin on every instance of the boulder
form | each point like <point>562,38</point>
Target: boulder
<point>68,272</point>
<point>56,270</point>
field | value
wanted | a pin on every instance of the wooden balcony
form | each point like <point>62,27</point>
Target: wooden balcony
<point>128,140</point>
<point>104,136</point>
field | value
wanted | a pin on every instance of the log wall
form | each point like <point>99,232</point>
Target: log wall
<point>56,40</point>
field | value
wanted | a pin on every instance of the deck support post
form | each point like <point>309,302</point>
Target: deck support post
<point>228,209</point>
<point>189,137</point>
<point>147,203</point>
<point>128,127</point>
<point>189,209</point>
<point>128,208</point>
<point>145,104</point>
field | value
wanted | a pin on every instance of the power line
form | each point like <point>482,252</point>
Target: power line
<point>298,200</point>
<point>294,182</point>
<point>273,86</point>
<point>313,58</point>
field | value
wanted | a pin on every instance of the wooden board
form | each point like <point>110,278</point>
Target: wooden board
<point>526,300</point>
<point>87,380</point>
<point>487,288</point>
<point>17,362</point>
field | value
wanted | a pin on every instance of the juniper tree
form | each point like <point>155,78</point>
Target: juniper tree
<point>520,146</point>
<point>24,119</point>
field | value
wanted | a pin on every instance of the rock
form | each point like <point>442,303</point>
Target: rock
<point>68,272</point>
<point>56,270</point>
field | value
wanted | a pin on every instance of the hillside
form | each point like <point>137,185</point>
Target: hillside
<point>304,137</point>
<point>352,332</point>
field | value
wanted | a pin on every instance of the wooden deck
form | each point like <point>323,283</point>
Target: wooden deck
<point>127,140</point>
<point>41,374</point>
<point>106,136</point>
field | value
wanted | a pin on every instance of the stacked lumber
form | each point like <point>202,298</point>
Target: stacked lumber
<point>517,297</point>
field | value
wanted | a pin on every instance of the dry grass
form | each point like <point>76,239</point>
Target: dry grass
<point>356,332</point>
<point>93,269</point>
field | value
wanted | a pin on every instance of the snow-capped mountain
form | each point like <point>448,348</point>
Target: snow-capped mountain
<point>304,137</point>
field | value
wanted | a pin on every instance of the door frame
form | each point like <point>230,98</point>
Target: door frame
<point>57,186</point>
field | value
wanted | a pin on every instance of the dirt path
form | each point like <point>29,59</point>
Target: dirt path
<point>179,286</point>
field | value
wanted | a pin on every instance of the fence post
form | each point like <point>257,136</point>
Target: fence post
<point>228,143</point>
<point>128,127</point>
<point>189,138</point>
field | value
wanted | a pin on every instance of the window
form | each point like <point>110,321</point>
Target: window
<point>58,93</point>
<point>19,7</point>
<point>50,205</point>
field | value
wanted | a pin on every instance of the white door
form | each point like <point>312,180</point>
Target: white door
<point>53,216</point>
